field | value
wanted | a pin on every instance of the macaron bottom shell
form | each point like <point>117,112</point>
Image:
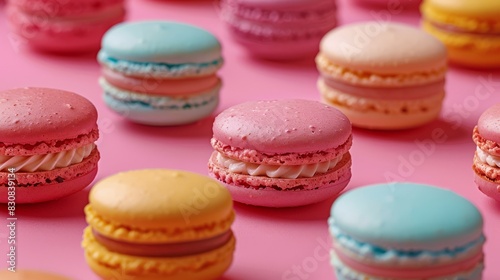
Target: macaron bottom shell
<point>47,192</point>
<point>274,198</point>
<point>382,121</point>
<point>344,272</point>
<point>278,50</point>
<point>111,265</point>
<point>487,187</point>
<point>467,54</point>
<point>142,113</point>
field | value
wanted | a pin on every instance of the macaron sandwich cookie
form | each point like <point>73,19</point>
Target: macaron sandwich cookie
<point>47,148</point>
<point>281,153</point>
<point>63,25</point>
<point>469,29</point>
<point>160,72</point>
<point>402,231</point>
<point>279,29</point>
<point>486,164</point>
<point>159,224</point>
<point>382,75</point>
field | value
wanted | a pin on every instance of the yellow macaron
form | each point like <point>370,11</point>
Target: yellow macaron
<point>159,224</point>
<point>469,29</point>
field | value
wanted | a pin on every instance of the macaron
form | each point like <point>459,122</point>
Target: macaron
<point>382,75</point>
<point>159,224</point>
<point>405,231</point>
<point>486,163</point>
<point>279,29</point>
<point>160,72</point>
<point>469,29</point>
<point>281,153</point>
<point>47,144</point>
<point>30,275</point>
<point>63,25</point>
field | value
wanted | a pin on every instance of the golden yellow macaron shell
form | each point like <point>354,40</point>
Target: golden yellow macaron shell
<point>159,206</point>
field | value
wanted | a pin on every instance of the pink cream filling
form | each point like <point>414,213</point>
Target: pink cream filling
<point>150,85</point>
<point>163,250</point>
<point>387,93</point>
<point>411,273</point>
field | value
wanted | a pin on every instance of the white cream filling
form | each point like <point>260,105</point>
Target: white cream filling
<point>487,158</point>
<point>47,161</point>
<point>276,171</point>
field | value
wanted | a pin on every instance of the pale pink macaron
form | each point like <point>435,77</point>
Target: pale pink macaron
<point>281,153</point>
<point>47,148</point>
<point>383,75</point>
<point>63,25</point>
<point>279,29</point>
<point>486,164</point>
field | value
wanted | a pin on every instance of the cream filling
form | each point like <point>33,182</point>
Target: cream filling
<point>487,158</point>
<point>276,171</point>
<point>47,161</point>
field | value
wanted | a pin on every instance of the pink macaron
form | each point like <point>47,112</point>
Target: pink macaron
<point>281,153</point>
<point>47,148</point>
<point>279,29</point>
<point>63,25</point>
<point>486,164</point>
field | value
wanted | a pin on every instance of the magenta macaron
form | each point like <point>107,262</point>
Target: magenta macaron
<point>281,153</point>
<point>47,148</point>
<point>279,29</point>
<point>486,164</point>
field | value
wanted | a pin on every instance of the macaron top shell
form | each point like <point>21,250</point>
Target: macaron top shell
<point>476,8</point>
<point>488,124</point>
<point>30,275</point>
<point>164,200</point>
<point>407,216</point>
<point>32,115</point>
<point>383,48</point>
<point>282,126</point>
<point>160,42</point>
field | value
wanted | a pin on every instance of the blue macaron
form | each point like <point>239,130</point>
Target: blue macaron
<point>406,231</point>
<point>160,72</point>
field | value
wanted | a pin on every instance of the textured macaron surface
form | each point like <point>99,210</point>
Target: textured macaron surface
<point>489,124</point>
<point>282,126</point>
<point>383,48</point>
<point>33,115</point>
<point>157,205</point>
<point>160,42</point>
<point>407,216</point>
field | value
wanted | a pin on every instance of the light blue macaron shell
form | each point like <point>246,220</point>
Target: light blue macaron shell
<point>406,216</point>
<point>161,42</point>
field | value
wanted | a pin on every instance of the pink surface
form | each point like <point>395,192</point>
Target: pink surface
<point>287,244</point>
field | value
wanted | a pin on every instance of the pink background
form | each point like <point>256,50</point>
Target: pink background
<point>270,242</point>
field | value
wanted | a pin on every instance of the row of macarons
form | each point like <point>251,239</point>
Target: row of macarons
<point>277,29</point>
<point>175,225</point>
<point>275,153</point>
<point>264,154</point>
